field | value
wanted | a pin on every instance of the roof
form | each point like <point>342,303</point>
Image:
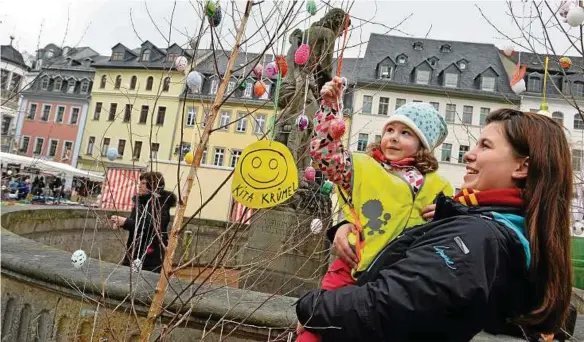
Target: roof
<point>207,66</point>
<point>10,54</point>
<point>478,56</point>
<point>535,61</point>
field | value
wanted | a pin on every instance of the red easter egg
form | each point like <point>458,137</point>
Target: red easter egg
<point>259,88</point>
<point>310,174</point>
<point>302,54</point>
<point>337,129</point>
<point>282,65</point>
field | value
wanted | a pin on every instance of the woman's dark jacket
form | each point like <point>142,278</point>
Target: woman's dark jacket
<point>148,222</point>
<point>447,280</point>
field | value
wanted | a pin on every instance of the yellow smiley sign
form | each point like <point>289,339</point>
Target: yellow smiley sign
<point>265,175</point>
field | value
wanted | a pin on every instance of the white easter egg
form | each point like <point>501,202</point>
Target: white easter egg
<point>316,226</point>
<point>78,258</point>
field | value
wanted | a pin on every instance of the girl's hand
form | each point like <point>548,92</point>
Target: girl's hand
<point>331,91</point>
<point>299,329</point>
<point>118,221</point>
<point>428,212</point>
<point>342,247</point>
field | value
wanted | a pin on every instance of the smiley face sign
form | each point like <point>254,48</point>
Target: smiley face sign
<point>265,175</point>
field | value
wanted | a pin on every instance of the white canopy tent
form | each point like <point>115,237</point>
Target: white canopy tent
<point>49,166</point>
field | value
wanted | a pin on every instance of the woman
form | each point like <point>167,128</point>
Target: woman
<point>148,222</point>
<point>495,256</point>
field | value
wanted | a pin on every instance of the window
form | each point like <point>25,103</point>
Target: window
<point>384,72</point>
<point>436,106</point>
<point>128,113</point>
<point>578,122</point>
<point>204,157</point>
<point>133,82</point>
<point>383,105</point>
<point>418,46</point>
<point>32,111</point>
<point>143,115</point>
<point>214,86</point>
<point>559,117</point>
<point>204,118</point>
<point>66,153</point>
<point>462,65</point>
<point>166,84</point>
<point>488,83</point>
<point>399,103</point>
<point>461,152</point>
<point>45,83</point>
<point>117,56</point>
<point>191,116</point>
<point>154,150</point>
<point>446,152</point>
<point>58,84</point>
<point>118,83</point>
<point>137,150</point>
<point>248,89</point>
<point>483,118</point>
<point>467,115</point>
<point>97,112</point>
<point>149,82</point>
<point>450,112</point>
<point>171,57</point>
<point>401,60</point>
<point>53,144</point>
<point>534,84</point>
<point>224,121</point>
<point>577,159</point>
<point>5,75</point>
<point>266,94</point>
<point>112,111</point>
<point>451,80</point>
<point>102,82</point>
<point>84,87</point>
<point>15,83</point>
<point>24,144</point>
<point>241,123</point>
<point>46,112</point>
<point>362,142</point>
<point>90,144</point>
<point>578,88</point>
<point>445,48</point>
<point>260,124</point>
<point>160,116</point>
<point>235,154</point>
<point>230,86</point>
<point>121,147</point>
<point>422,76</point>
<point>60,114</point>
<point>146,55</point>
<point>38,146</point>
<point>218,156</point>
<point>6,120</point>
<point>377,139</point>
<point>105,146</point>
<point>367,104</point>
<point>71,86</point>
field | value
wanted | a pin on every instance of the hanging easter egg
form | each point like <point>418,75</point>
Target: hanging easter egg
<point>112,153</point>
<point>271,70</point>
<point>78,258</point>
<point>210,8</point>
<point>337,128</point>
<point>194,80</point>
<point>258,70</point>
<point>316,226</point>
<point>310,174</point>
<point>136,265</point>
<point>282,65</point>
<point>326,188</point>
<point>259,88</point>
<point>189,158</point>
<point>242,85</point>
<point>519,87</point>
<point>302,54</point>
<point>9,172</point>
<point>311,7</point>
<point>302,122</point>
<point>544,110</point>
<point>180,63</point>
<point>508,50</point>
<point>215,20</point>
<point>565,63</point>
<point>575,16</point>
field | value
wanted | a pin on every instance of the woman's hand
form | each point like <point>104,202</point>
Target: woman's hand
<point>331,91</point>
<point>299,329</point>
<point>342,247</point>
<point>117,221</point>
<point>428,212</point>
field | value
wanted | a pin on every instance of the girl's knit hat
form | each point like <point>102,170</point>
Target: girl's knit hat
<point>424,120</point>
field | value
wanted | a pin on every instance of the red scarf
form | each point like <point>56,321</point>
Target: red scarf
<point>378,155</point>
<point>510,197</point>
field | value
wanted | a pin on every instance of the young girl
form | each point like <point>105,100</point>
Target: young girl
<point>387,187</point>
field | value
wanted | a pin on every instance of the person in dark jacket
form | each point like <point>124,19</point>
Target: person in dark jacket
<point>148,222</point>
<point>496,257</point>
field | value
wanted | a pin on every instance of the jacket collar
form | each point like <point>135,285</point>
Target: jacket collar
<point>447,207</point>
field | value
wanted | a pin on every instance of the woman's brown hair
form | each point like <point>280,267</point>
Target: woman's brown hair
<point>425,161</point>
<point>547,191</point>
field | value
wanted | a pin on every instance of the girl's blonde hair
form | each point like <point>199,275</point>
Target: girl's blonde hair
<point>425,161</point>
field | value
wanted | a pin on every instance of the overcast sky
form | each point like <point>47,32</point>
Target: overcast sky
<point>101,24</point>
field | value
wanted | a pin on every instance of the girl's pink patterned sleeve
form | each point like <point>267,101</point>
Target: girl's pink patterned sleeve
<point>329,154</point>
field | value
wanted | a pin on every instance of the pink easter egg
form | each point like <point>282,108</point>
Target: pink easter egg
<point>310,174</point>
<point>258,70</point>
<point>337,129</point>
<point>271,70</point>
<point>302,54</point>
<point>302,122</point>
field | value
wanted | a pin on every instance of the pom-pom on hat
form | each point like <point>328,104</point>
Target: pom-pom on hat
<point>424,120</point>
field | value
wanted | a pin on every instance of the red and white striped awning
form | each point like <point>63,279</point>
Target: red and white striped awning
<point>240,213</point>
<point>118,189</point>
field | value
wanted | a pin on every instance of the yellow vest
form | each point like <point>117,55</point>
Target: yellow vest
<point>385,204</point>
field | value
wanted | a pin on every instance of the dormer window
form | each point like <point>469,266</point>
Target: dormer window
<point>433,61</point>
<point>462,65</point>
<point>71,86</point>
<point>49,54</point>
<point>45,83</point>
<point>422,76</point>
<point>488,83</point>
<point>402,59</point>
<point>385,72</point>
<point>84,87</point>
<point>214,86</point>
<point>58,84</point>
<point>445,48</point>
<point>451,80</point>
<point>171,57</point>
<point>534,83</point>
<point>418,46</point>
<point>146,55</point>
<point>117,56</point>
